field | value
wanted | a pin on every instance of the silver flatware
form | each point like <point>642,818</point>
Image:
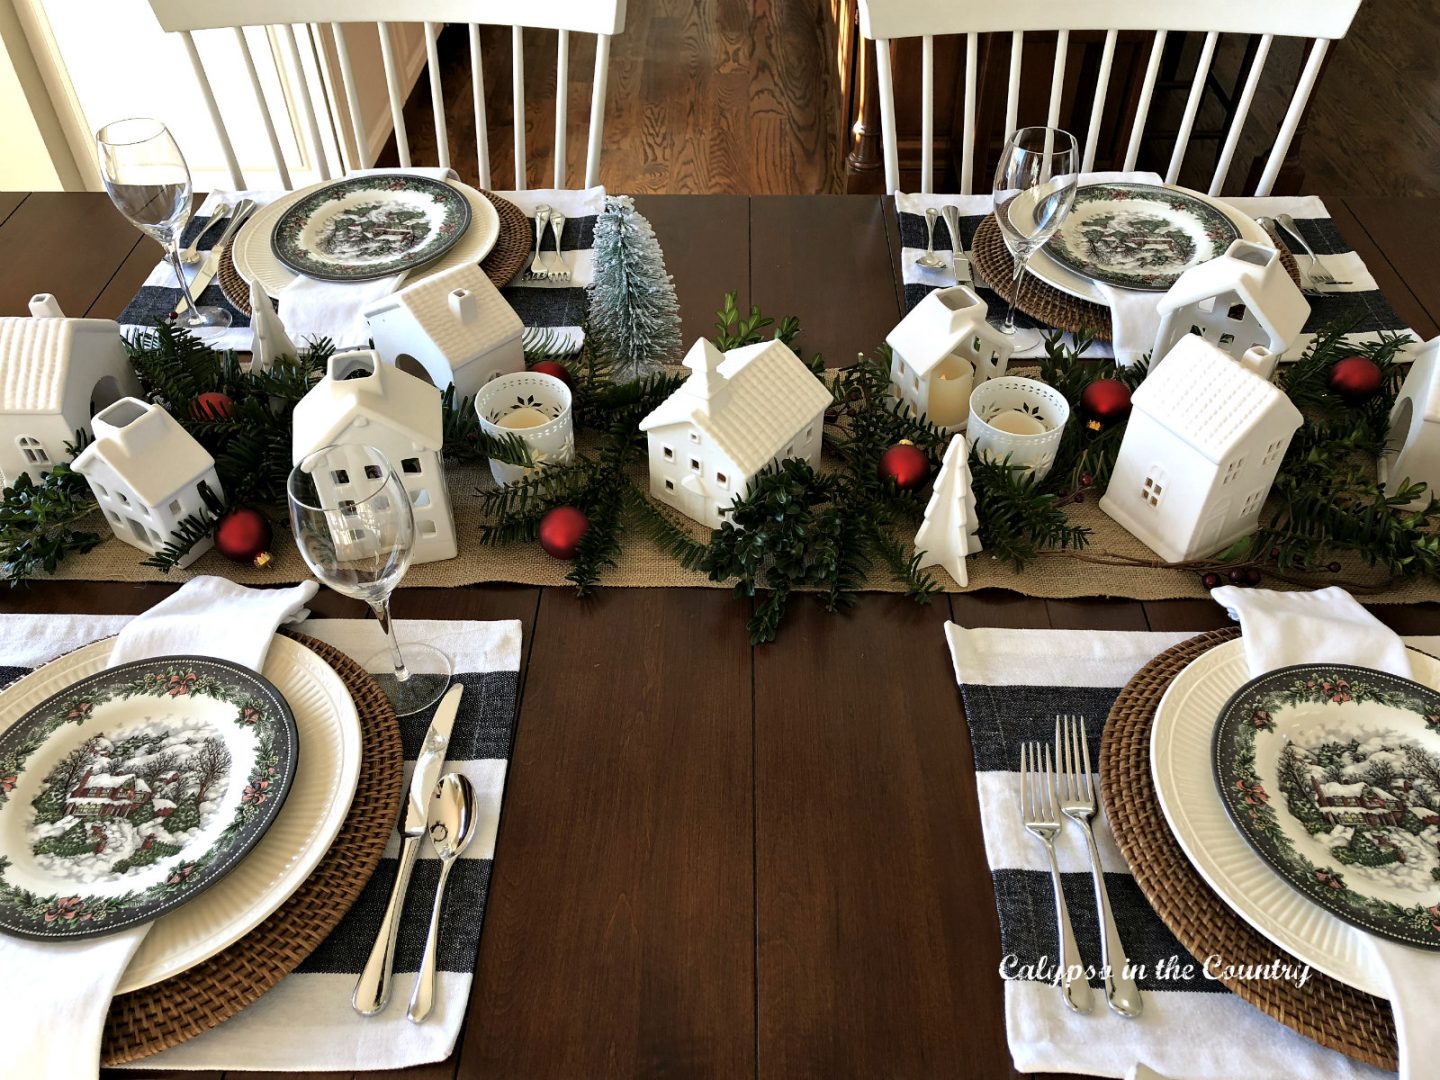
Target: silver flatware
<point>372,991</point>
<point>557,226</point>
<point>191,255</point>
<point>537,264</point>
<point>1077,802</point>
<point>1318,275</point>
<point>959,261</point>
<point>211,266</point>
<point>453,822</point>
<point>930,260</point>
<point>1038,810</point>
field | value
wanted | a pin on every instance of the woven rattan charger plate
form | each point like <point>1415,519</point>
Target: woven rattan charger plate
<point>164,1015</point>
<point>1041,300</point>
<point>1324,1009</point>
<point>506,258</point>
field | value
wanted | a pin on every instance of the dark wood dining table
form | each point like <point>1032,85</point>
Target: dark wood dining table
<point>715,859</point>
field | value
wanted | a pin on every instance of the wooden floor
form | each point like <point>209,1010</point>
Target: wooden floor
<point>740,96</point>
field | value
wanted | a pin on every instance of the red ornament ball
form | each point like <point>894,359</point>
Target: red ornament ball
<point>211,405</point>
<point>244,536</point>
<point>1357,379</point>
<point>561,531</point>
<point>556,369</point>
<point>1104,403</point>
<point>906,464</point>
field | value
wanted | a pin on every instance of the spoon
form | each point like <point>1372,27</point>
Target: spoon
<point>930,260</point>
<point>452,825</point>
<point>191,255</point>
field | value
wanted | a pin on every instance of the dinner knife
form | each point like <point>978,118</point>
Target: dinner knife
<point>373,989</point>
<point>211,265</point>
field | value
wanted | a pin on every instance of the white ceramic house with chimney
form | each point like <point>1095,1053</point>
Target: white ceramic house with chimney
<point>943,349</point>
<point>1240,300</point>
<point>736,413</point>
<point>1413,445</point>
<point>1204,441</point>
<point>364,401</point>
<point>146,472</point>
<point>451,327</point>
<point>55,374</point>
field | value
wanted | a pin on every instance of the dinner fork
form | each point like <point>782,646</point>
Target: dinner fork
<point>542,221</point>
<point>1038,804</point>
<point>1318,275</point>
<point>1077,802</point>
<point>557,226</point>
<point>191,255</point>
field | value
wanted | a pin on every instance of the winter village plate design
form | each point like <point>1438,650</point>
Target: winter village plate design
<point>1139,236</point>
<point>133,790</point>
<point>370,227</point>
<point>1332,774</point>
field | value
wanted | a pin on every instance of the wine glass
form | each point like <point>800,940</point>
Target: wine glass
<point>149,183</point>
<point>1034,190</point>
<point>356,531</point>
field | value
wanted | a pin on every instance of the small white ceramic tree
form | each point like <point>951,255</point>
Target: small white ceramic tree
<point>951,527</point>
<point>272,344</point>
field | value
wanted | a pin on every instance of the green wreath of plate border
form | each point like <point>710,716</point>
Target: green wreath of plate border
<point>259,707</point>
<point>1250,713</point>
<point>287,239</point>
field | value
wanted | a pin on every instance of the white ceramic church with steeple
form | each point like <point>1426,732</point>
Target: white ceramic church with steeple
<point>735,414</point>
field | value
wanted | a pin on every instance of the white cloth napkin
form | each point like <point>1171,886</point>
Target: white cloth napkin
<point>1281,629</point>
<point>1134,321</point>
<point>55,995</point>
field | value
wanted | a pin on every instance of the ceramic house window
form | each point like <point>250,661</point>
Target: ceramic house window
<point>34,453</point>
<point>1232,470</point>
<point>411,465</point>
<point>372,472</point>
<point>99,489</point>
<point>669,485</point>
<point>1273,451</point>
<point>339,477</point>
<point>1252,502</point>
<point>1236,313</point>
<point>1154,487</point>
<point>695,464</point>
<point>669,453</point>
<point>721,479</point>
<point>420,499</point>
<point>427,527</point>
<point>694,436</point>
<point>174,506</point>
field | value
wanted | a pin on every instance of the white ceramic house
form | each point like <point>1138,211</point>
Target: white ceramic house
<point>736,413</point>
<point>1413,445</point>
<point>146,472</point>
<point>1204,441</point>
<point>363,401</point>
<point>950,531</point>
<point>451,327</point>
<point>1242,299</point>
<point>55,374</point>
<point>941,351</point>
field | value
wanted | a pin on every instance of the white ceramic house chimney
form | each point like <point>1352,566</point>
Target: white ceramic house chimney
<point>1260,360</point>
<point>465,305</point>
<point>45,306</point>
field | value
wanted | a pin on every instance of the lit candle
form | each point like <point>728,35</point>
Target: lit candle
<point>526,417</point>
<point>949,405</point>
<point>1015,422</point>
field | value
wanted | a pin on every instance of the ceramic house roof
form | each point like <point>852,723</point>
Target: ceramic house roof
<point>752,403</point>
<point>35,359</point>
<point>1208,399</point>
<point>387,396</point>
<point>937,324</point>
<point>146,448</point>
<point>1257,277</point>
<point>487,321</point>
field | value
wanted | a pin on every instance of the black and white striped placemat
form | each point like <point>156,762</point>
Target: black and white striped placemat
<point>1192,1027</point>
<point>306,1023</point>
<point>1360,301</point>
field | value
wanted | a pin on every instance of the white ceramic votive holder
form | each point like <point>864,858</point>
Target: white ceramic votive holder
<point>537,408</point>
<point>1019,418</point>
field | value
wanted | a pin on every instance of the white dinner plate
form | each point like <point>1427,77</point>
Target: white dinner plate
<point>1180,763</point>
<point>325,780</point>
<point>1050,271</point>
<point>255,259</point>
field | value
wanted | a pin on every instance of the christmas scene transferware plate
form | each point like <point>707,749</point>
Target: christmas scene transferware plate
<point>133,790</point>
<point>370,226</point>
<point>1139,236</point>
<point>1332,774</point>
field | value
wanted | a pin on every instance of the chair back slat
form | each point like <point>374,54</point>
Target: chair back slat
<point>289,35</point>
<point>477,95</point>
<point>437,95</point>
<point>1192,107</point>
<point>1057,78</point>
<point>352,97</point>
<point>886,85</point>
<point>1097,109</point>
<point>927,113</point>
<point>1291,123</point>
<point>517,89</point>
<point>1012,95</point>
<point>967,156</point>
<point>562,103</point>
<point>207,94</point>
<point>1142,105</point>
<point>1242,111</point>
<point>270,133</point>
<point>397,99</point>
<point>597,110</point>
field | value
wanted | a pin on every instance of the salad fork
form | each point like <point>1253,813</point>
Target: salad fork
<point>542,221</point>
<point>1077,802</point>
<point>1038,810</point>
<point>557,226</point>
<point>191,255</point>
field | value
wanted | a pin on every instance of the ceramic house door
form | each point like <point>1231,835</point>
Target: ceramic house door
<point>1216,519</point>
<point>696,498</point>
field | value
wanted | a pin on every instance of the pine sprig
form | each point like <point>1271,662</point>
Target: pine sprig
<point>189,531</point>
<point>1018,519</point>
<point>656,523</point>
<point>39,522</point>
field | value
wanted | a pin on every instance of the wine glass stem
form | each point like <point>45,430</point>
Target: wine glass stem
<point>382,613</point>
<point>191,317</point>
<point>1009,325</point>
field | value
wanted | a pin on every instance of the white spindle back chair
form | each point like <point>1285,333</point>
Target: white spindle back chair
<point>289,19</point>
<point>885,20</point>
